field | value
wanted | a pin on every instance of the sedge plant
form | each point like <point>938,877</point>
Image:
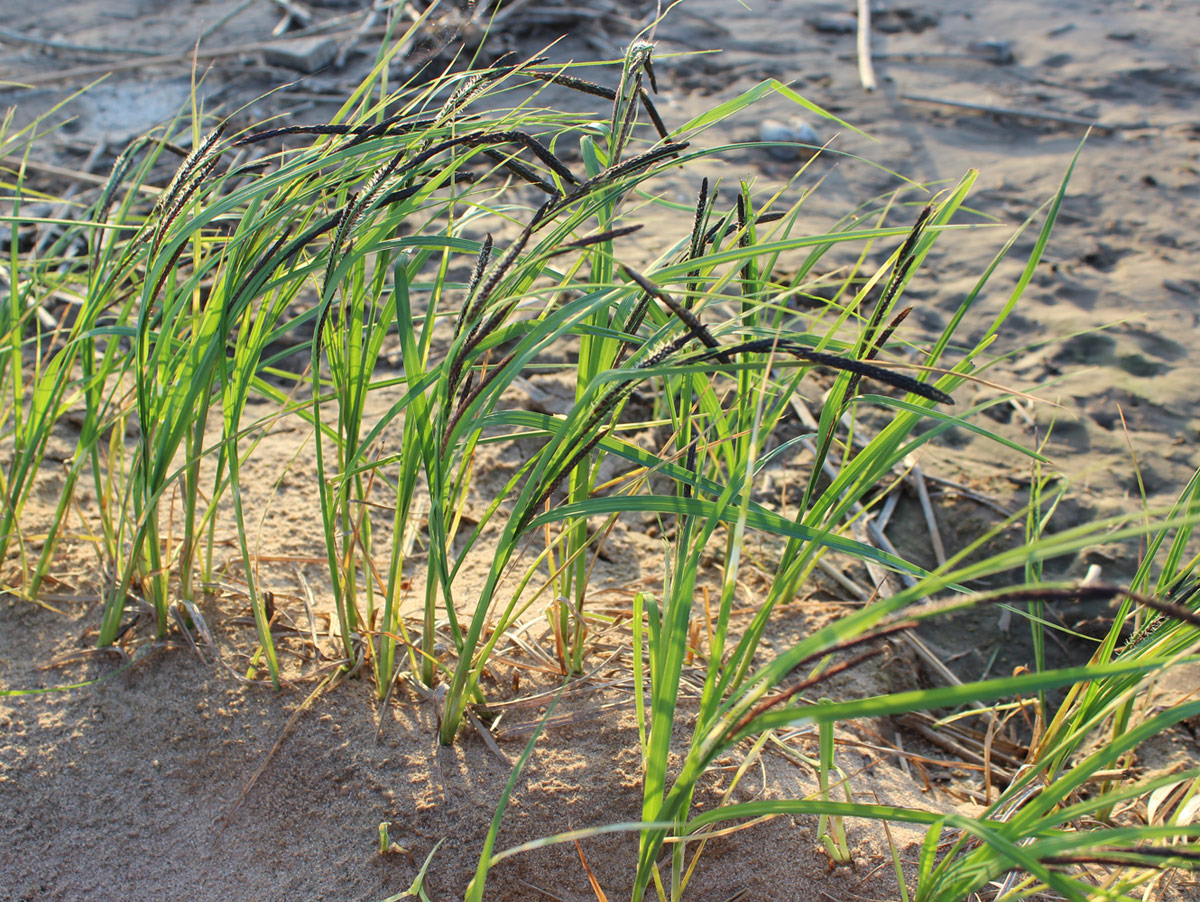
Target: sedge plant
<point>357,235</point>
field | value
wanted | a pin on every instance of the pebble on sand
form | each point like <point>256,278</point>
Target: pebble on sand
<point>788,138</point>
<point>307,55</point>
<point>835,23</point>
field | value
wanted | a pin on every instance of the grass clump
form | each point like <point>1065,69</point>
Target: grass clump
<point>348,244</point>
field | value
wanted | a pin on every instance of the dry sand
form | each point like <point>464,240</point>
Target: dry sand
<point>131,788</point>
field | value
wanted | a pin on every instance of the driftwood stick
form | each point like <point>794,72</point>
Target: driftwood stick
<point>66,173</point>
<point>16,37</point>
<point>917,478</point>
<point>866,69</point>
<point>15,82</point>
<point>1024,114</point>
<point>292,12</point>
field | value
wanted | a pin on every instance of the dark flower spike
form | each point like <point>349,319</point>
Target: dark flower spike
<point>648,65</point>
<point>696,248</point>
<point>460,95</point>
<point>886,335</point>
<point>634,322</point>
<point>327,224</point>
<point>523,172</point>
<point>474,308</point>
<point>575,84</point>
<point>390,126</point>
<point>192,172</point>
<point>746,236</point>
<point>331,222</point>
<point>166,270</point>
<point>473,87</point>
<point>1170,857</point>
<point>357,206</point>
<point>540,150</point>
<point>613,173</point>
<point>393,125</point>
<point>670,349</point>
<point>725,228</point>
<point>589,240</point>
<point>697,329</point>
<point>481,262</point>
<point>589,87</point>
<point>604,406</point>
<point>652,112</point>
<point>169,213</point>
<point>571,464</point>
<point>286,130</point>
<point>184,174</point>
<point>355,209</point>
<point>904,263</point>
<point>121,166</point>
<point>419,159</point>
<point>1131,855</point>
<point>689,464</point>
<point>485,254</point>
<point>628,119</point>
<point>835,361</point>
<point>268,261</point>
<point>627,95</point>
<point>470,392</point>
<point>878,345</point>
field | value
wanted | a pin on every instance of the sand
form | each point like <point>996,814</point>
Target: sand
<point>142,785</point>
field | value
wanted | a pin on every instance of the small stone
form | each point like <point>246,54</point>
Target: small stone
<point>794,133</point>
<point>306,55</point>
<point>838,23</point>
<point>994,51</point>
